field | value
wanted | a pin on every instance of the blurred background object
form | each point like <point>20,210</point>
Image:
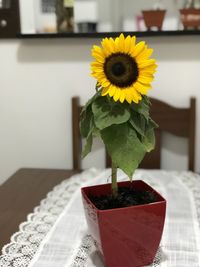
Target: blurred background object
<point>87,26</point>
<point>154,18</point>
<point>190,15</point>
<point>9,18</point>
<point>101,15</point>
<point>65,15</point>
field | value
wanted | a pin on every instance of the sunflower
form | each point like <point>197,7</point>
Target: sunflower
<point>123,69</point>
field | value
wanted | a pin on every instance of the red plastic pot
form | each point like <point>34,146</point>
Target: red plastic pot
<point>126,237</point>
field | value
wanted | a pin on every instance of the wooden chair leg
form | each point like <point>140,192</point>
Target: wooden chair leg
<point>76,137</point>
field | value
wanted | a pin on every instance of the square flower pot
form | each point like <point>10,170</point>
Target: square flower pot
<point>153,18</point>
<point>190,17</point>
<point>129,236</point>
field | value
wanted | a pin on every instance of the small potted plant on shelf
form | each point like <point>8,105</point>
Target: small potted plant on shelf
<point>154,17</point>
<point>126,219</point>
<point>190,14</point>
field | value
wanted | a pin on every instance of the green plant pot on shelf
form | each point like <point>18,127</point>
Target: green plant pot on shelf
<point>153,18</point>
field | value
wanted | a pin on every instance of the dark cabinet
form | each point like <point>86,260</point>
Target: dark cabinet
<point>9,18</point>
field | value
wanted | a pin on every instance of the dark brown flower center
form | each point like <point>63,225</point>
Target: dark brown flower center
<point>121,69</point>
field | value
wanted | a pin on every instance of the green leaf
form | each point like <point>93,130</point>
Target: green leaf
<point>88,146</point>
<point>86,116</point>
<point>149,140</point>
<point>90,101</point>
<point>151,124</point>
<point>146,100</point>
<point>107,113</point>
<point>86,122</point>
<point>124,147</point>
<point>98,87</point>
<point>142,108</point>
<point>138,123</point>
<point>96,132</point>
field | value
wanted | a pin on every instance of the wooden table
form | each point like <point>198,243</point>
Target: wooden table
<point>21,193</point>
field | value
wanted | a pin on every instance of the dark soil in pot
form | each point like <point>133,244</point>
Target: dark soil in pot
<point>127,196</point>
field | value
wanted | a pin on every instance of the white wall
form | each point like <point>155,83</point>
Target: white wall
<point>38,79</point>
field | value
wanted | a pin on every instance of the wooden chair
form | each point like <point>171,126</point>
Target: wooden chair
<point>177,121</point>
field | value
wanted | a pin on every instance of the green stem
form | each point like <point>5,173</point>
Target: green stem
<point>114,185</point>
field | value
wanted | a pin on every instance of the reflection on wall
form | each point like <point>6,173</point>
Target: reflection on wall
<point>100,15</point>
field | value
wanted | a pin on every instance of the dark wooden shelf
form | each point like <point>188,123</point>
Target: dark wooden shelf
<point>107,34</point>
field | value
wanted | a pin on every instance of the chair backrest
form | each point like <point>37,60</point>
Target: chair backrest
<point>177,121</point>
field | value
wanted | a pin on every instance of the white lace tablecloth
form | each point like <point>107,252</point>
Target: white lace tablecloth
<point>55,234</point>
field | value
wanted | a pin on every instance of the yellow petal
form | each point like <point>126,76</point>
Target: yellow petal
<point>122,96</point>
<point>98,57</point>
<point>138,48</point>
<point>146,73</point>
<point>142,88</point>
<point>127,45</point>
<point>117,48</point>
<point>145,79</point>
<point>94,74</point>
<point>112,90</point>
<point>142,91</point>
<point>121,42</point>
<point>136,96</point>
<point>149,68</point>
<point>101,77</point>
<point>98,54</point>
<point>132,45</point>
<point>105,91</point>
<point>94,69</point>
<point>105,83</point>
<point>133,41</point>
<point>104,43</point>
<point>104,79</point>
<point>96,48</point>
<point>96,64</point>
<point>144,55</point>
<point>129,97</point>
<point>117,94</point>
<point>112,45</point>
<point>146,63</point>
<point>106,47</point>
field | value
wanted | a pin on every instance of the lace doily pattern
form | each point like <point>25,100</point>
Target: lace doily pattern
<point>192,181</point>
<point>25,243</point>
<point>84,251</point>
<point>88,247</point>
